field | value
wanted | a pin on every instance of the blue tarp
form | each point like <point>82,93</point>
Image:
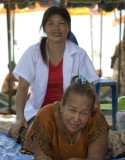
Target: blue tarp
<point>10,150</point>
<point>119,159</point>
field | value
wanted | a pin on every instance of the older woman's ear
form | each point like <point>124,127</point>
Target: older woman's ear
<point>61,106</point>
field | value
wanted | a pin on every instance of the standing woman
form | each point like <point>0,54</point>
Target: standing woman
<point>48,67</point>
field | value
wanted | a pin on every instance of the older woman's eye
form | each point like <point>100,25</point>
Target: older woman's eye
<point>84,114</point>
<point>72,110</point>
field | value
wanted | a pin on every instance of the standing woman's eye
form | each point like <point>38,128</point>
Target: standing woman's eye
<point>50,23</point>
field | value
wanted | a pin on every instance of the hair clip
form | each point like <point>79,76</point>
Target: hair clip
<point>83,80</point>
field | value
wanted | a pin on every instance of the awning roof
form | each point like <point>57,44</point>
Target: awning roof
<point>58,1</point>
<point>55,1</point>
<point>107,5</point>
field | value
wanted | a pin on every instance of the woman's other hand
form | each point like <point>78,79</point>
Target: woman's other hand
<point>17,126</point>
<point>15,129</point>
<point>21,98</point>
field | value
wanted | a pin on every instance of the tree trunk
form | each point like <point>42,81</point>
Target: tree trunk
<point>122,93</point>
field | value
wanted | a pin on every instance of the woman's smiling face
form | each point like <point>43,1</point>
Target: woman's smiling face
<point>76,112</point>
<point>56,28</point>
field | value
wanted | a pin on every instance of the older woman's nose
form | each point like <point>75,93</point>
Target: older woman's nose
<point>76,117</point>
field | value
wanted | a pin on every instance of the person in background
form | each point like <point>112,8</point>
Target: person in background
<point>118,74</point>
<point>48,67</point>
<point>115,61</point>
<point>99,72</point>
<point>12,81</point>
<point>72,129</point>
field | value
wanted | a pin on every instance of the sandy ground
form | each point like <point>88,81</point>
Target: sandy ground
<point>6,121</point>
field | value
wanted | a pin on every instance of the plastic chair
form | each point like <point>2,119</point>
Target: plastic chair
<point>114,86</point>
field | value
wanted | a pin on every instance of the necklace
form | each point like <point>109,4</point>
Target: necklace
<point>71,138</point>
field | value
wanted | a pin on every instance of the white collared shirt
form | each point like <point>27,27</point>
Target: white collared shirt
<point>32,68</point>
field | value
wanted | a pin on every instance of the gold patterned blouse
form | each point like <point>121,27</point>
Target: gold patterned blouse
<point>45,130</point>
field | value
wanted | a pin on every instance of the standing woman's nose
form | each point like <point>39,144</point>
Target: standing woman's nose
<point>56,26</point>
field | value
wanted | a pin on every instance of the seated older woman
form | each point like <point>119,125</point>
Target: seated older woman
<point>72,129</point>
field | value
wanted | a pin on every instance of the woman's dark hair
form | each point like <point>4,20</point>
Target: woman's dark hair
<point>80,89</point>
<point>60,10</point>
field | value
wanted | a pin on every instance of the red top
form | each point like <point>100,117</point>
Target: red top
<point>54,90</point>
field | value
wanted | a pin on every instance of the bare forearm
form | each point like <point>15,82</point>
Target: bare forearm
<point>95,152</point>
<point>21,98</point>
<point>38,153</point>
<point>91,159</point>
<point>20,104</point>
<point>75,159</point>
<point>41,158</point>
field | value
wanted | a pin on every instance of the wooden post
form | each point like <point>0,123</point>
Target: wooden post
<point>9,54</point>
<point>64,2</point>
<point>123,66</point>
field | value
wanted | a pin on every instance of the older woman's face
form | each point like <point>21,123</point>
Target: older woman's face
<point>56,28</point>
<point>76,112</point>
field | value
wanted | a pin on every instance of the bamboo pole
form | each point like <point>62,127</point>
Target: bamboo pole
<point>9,54</point>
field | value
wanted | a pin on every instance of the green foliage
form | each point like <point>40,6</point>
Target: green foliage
<point>121,103</point>
<point>106,106</point>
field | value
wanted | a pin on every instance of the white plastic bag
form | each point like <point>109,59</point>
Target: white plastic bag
<point>121,120</point>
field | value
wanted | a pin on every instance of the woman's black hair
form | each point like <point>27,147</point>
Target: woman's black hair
<point>60,10</point>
